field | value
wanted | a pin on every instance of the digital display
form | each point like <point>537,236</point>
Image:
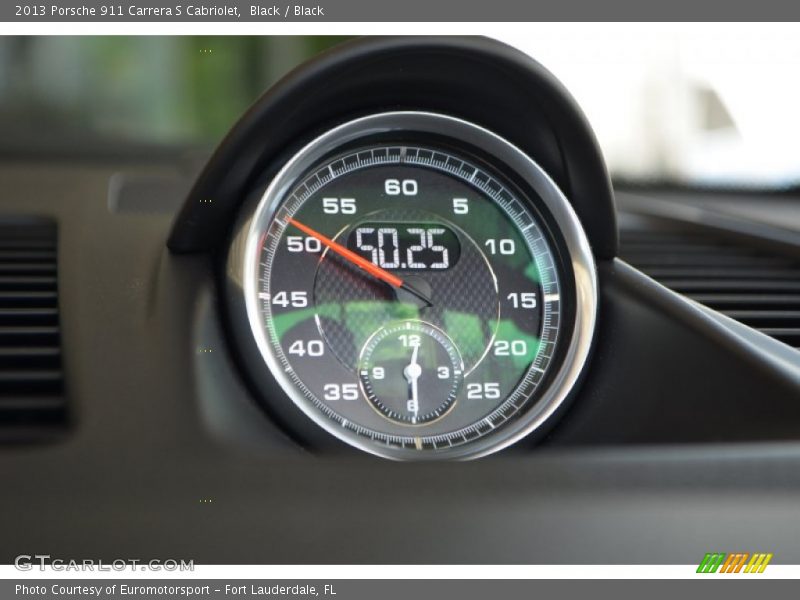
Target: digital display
<point>406,246</point>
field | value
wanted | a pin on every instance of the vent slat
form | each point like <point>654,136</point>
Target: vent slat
<point>677,259</point>
<point>26,298</point>
<point>16,404</point>
<point>28,315</point>
<point>26,269</point>
<point>792,315</point>
<point>679,248</point>
<point>754,300</point>
<point>27,255</point>
<point>737,285</point>
<point>9,335</point>
<point>26,357</point>
<point>31,378</point>
<point>757,287</point>
<point>6,352</point>
<point>23,244</point>
<point>782,331</point>
<point>704,272</point>
<point>35,283</point>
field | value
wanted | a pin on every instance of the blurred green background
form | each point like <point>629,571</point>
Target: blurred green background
<point>708,105</point>
<point>160,91</point>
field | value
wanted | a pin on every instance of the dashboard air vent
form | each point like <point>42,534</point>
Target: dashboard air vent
<point>31,379</point>
<point>734,276</point>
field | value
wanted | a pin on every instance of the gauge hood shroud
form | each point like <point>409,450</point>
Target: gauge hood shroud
<point>476,79</point>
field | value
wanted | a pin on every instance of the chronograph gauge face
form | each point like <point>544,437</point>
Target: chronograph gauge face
<point>418,287</point>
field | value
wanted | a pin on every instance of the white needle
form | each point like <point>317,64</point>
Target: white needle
<point>412,373</point>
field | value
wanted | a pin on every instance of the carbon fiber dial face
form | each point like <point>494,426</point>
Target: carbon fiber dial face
<point>409,295</point>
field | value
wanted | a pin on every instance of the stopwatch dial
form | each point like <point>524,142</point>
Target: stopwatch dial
<point>411,372</point>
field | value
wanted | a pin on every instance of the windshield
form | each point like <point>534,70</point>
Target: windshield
<point>698,104</point>
<point>688,105</point>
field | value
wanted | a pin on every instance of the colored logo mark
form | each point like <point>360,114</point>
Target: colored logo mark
<point>738,562</point>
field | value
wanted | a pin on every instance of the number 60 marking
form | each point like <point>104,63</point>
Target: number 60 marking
<point>406,187</point>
